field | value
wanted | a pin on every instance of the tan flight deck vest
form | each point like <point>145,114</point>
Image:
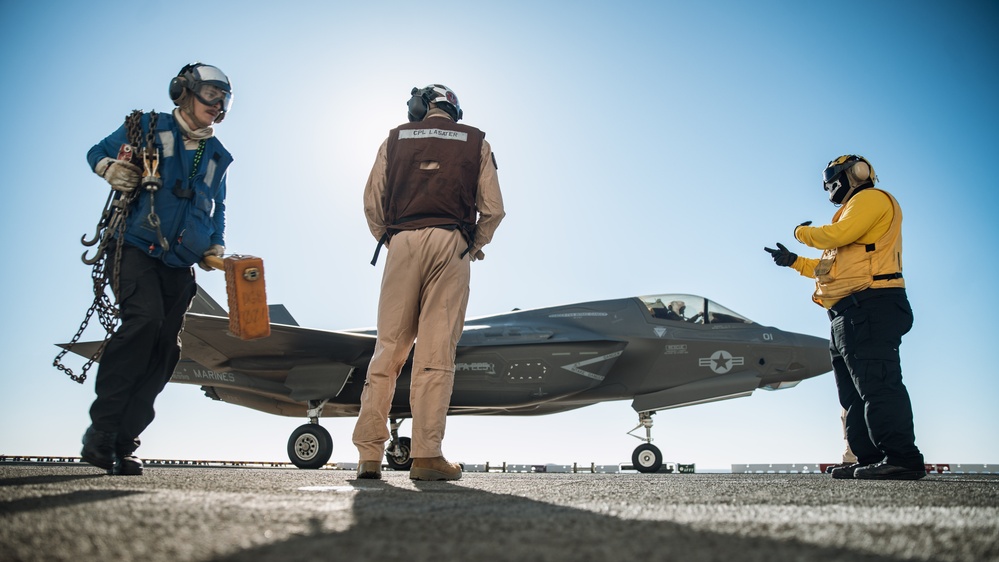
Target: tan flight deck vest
<point>417,197</point>
<point>849,269</point>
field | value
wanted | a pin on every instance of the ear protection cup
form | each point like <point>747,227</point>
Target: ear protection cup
<point>417,108</point>
<point>181,81</point>
<point>418,105</point>
<point>177,86</point>
<point>860,172</point>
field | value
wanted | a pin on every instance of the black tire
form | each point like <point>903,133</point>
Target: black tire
<point>402,461</point>
<point>310,446</point>
<point>647,458</point>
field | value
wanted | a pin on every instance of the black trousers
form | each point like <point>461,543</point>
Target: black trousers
<point>144,350</point>
<point>867,330</point>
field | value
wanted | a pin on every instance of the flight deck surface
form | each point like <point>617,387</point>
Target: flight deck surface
<point>77,513</point>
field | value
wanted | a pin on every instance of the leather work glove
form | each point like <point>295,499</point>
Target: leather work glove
<point>123,176</point>
<point>782,256</point>
<point>215,250</point>
<point>806,223</point>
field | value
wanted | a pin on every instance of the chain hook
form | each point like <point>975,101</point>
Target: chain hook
<point>110,228</point>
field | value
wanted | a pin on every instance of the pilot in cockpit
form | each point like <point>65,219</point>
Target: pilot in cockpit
<point>673,311</point>
<point>676,310</point>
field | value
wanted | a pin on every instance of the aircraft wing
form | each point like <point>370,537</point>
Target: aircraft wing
<point>207,341</point>
<point>293,363</point>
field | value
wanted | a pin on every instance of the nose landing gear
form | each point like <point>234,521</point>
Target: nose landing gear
<point>646,457</point>
<point>398,450</point>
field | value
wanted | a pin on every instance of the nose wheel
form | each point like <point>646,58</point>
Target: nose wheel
<point>397,454</point>
<point>646,457</point>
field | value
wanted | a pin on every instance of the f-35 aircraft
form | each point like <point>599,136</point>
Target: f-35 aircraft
<point>661,351</point>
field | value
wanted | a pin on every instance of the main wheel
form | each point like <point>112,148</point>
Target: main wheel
<point>399,459</point>
<point>310,446</point>
<point>647,458</point>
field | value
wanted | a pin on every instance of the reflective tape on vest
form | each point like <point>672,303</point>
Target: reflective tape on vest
<point>432,133</point>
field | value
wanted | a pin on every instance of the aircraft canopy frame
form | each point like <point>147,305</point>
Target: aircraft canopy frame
<point>692,309</point>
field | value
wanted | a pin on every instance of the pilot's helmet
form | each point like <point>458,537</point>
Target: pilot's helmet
<point>678,307</point>
<point>846,175</point>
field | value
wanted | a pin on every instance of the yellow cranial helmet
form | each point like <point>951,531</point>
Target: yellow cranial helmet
<point>846,175</point>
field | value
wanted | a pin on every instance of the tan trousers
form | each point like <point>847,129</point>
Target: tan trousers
<point>848,456</point>
<point>423,299</point>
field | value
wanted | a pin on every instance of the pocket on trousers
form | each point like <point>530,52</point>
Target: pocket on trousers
<point>850,332</point>
<point>870,377</point>
<point>126,288</point>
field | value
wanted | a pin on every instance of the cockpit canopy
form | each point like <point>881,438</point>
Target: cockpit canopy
<point>692,309</point>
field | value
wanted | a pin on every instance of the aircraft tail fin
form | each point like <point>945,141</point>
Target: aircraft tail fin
<point>280,315</point>
<point>205,304</point>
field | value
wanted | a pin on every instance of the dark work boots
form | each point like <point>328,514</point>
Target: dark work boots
<point>125,461</point>
<point>127,465</point>
<point>885,471</point>
<point>98,448</point>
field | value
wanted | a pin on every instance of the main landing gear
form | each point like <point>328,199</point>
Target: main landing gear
<point>646,457</point>
<point>310,446</point>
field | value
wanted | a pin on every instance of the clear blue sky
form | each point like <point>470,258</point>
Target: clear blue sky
<point>643,147</point>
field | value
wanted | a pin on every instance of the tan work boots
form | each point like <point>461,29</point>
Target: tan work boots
<point>369,470</point>
<point>436,468</point>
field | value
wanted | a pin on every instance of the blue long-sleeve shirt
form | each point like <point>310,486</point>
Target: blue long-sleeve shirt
<point>190,204</point>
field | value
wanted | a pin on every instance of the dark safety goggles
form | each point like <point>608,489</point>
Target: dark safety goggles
<point>837,167</point>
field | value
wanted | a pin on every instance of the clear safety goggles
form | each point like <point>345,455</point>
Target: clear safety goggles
<point>210,94</point>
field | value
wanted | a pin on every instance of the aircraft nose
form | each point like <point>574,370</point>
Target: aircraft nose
<point>813,354</point>
<point>806,357</point>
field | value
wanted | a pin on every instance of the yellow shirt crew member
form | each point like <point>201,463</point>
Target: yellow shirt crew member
<point>858,280</point>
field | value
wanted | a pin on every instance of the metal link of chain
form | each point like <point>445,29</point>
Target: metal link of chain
<point>151,180</point>
<point>110,228</point>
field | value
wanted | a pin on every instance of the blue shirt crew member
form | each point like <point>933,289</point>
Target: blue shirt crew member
<point>167,231</point>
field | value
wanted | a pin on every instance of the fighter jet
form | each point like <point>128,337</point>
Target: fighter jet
<point>659,351</point>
